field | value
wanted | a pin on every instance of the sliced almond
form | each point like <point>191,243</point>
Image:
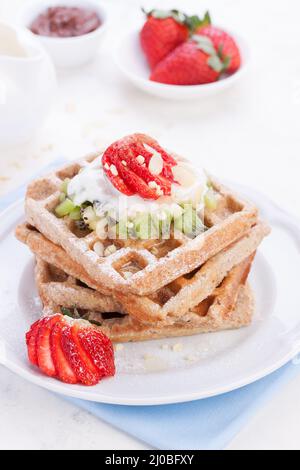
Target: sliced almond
<point>114,170</point>
<point>184,175</point>
<point>140,159</point>
<point>156,164</point>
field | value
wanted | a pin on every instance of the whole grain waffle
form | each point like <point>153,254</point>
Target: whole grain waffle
<point>152,264</point>
<point>230,306</point>
<point>170,302</point>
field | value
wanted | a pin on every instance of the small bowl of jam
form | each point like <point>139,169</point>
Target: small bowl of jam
<point>70,30</point>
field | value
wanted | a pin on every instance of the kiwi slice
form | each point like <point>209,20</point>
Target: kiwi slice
<point>64,208</point>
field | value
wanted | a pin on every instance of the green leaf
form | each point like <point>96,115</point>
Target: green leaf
<point>66,311</point>
<point>94,322</point>
<point>69,313</point>
<point>215,63</point>
<point>205,44</point>
<point>194,22</point>
<point>207,19</point>
<point>226,62</point>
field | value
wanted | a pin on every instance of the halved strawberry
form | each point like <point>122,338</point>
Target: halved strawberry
<point>137,164</point>
<point>64,371</point>
<point>99,348</point>
<point>43,347</point>
<point>79,360</point>
<point>31,340</point>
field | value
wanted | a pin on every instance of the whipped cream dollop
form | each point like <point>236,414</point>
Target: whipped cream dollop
<point>91,185</point>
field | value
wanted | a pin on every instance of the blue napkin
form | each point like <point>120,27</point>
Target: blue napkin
<point>208,424</point>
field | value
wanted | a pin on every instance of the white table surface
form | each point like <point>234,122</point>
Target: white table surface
<point>250,134</point>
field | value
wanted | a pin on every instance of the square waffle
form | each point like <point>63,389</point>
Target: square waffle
<point>230,306</point>
<point>170,302</point>
<point>153,264</point>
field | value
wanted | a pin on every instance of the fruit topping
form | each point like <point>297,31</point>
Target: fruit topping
<point>138,165</point>
<point>187,50</point>
<point>73,351</point>
<point>43,345</point>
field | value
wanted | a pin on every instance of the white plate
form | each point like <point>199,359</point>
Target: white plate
<point>223,361</point>
<point>132,63</point>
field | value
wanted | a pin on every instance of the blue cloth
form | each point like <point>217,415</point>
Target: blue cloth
<point>208,424</point>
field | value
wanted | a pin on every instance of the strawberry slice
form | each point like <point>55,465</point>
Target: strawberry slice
<point>64,371</point>
<point>99,348</point>
<point>79,360</point>
<point>128,163</point>
<point>31,340</point>
<point>43,348</point>
<point>70,351</point>
<point>115,179</point>
<point>134,161</point>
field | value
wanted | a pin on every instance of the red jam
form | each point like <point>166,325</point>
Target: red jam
<point>65,22</point>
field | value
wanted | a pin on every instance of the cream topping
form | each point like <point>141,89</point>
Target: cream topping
<point>91,185</point>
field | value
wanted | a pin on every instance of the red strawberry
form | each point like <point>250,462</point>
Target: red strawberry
<point>70,350</point>
<point>194,62</point>
<point>165,30</point>
<point>43,347</point>
<point>131,162</point>
<point>225,45</point>
<point>99,348</point>
<point>162,32</point>
<point>78,359</point>
<point>31,338</point>
<point>64,370</point>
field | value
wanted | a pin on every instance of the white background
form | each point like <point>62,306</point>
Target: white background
<point>250,134</point>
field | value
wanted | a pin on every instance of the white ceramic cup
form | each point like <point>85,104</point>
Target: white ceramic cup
<point>27,90</point>
<point>73,51</point>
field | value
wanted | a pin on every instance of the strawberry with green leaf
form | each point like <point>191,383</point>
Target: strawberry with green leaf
<point>225,45</point>
<point>193,63</point>
<point>163,31</point>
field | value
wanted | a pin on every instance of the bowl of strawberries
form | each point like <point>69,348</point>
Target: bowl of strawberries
<point>179,56</point>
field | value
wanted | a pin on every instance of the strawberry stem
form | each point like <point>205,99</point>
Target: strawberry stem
<point>192,22</point>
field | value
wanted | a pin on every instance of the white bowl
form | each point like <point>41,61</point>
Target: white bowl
<point>73,51</point>
<point>132,63</point>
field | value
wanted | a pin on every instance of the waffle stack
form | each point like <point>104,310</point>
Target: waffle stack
<point>145,289</point>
